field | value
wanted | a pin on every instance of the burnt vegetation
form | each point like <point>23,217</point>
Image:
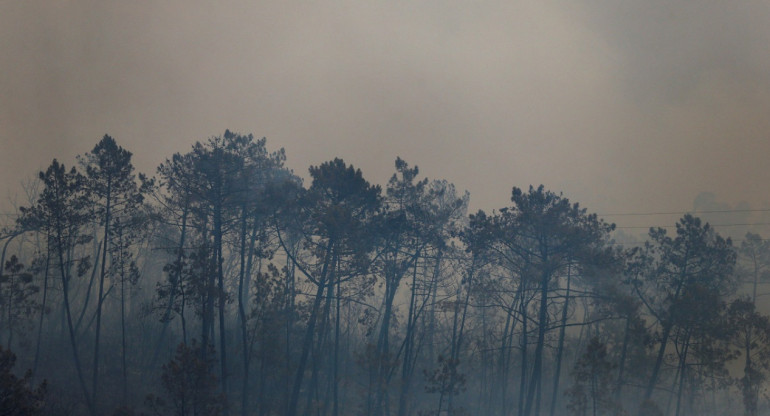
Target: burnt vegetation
<point>225,285</point>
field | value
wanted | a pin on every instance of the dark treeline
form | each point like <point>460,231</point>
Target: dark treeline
<point>224,285</point>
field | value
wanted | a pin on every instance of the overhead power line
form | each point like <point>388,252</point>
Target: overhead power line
<point>716,211</point>
<point>713,225</point>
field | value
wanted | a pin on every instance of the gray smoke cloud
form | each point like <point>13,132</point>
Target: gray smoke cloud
<point>625,106</point>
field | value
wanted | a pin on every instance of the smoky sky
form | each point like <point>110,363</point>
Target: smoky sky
<point>625,106</point>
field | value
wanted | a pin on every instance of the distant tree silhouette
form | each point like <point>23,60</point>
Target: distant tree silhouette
<point>539,238</point>
<point>215,189</point>
<point>683,281</point>
<point>117,197</point>
<point>333,218</point>
<point>750,334</point>
<point>60,213</point>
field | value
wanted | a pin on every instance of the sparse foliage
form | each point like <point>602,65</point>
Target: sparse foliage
<point>190,385</point>
<point>329,299</point>
<point>18,397</point>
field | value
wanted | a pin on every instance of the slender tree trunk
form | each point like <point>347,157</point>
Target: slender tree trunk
<point>537,366</point>
<point>336,364</point>
<point>432,311</point>
<point>682,371</point>
<point>86,302</point>
<point>666,332</point>
<point>76,356</point>
<point>749,382</point>
<point>593,394</point>
<point>458,340</point>
<point>524,352</point>
<point>289,325</point>
<point>10,296</point>
<point>538,394</point>
<point>100,299</point>
<point>560,350</point>
<point>174,288</point>
<point>309,332</point>
<point>123,337</point>
<point>42,311</point>
<point>182,320</point>
<point>484,397</point>
<point>502,365</point>
<point>506,348</point>
<point>750,395</point>
<point>123,344</point>
<point>322,338</point>
<point>242,317</point>
<point>306,347</point>
<point>622,361</point>
<point>756,281</point>
<point>659,360</point>
<point>406,377</point>
<point>218,258</point>
<point>383,346</point>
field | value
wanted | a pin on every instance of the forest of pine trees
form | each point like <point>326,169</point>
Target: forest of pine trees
<point>224,284</point>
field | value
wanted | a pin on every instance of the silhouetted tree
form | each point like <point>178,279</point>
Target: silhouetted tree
<point>113,188</point>
<point>755,265</point>
<point>750,333</point>
<point>17,297</point>
<point>17,396</point>
<point>445,381</point>
<point>591,392</point>
<point>190,385</point>
<point>60,213</point>
<point>679,276</point>
<point>539,237</point>
<point>217,189</point>
<point>332,219</point>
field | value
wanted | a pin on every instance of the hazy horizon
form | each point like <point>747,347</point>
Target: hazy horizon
<point>624,107</point>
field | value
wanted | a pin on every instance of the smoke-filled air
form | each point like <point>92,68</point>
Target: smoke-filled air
<point>404,208</point>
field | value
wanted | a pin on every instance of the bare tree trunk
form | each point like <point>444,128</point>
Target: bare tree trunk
<point>667,326</point>
<point>458,340</point>
<point>242,315</point>
<point>100,299</point>
<point>42,310</point>
<point>335,364</point>
<point>174,287</point>
<point>560,350</point>
<point>10,297</point>
<point>682,371</point>
<point>432,315</point>
<point>537,366</point>
<point>622,360</point>
<point>406,376</point>
<point>484,398</point>
<point>121,262</point>
<point>65,291</point>
<point>218,258</point>
<point>290,293</point>
<point>524,352</point>
<point>309,332</point>
<point>86,302</point>
<point>383,347</point>
<point>322,338</point>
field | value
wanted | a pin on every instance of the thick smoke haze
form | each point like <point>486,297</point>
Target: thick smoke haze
<point>624,106</point>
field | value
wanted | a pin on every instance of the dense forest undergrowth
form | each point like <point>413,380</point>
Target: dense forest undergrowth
<point>223,285</point>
